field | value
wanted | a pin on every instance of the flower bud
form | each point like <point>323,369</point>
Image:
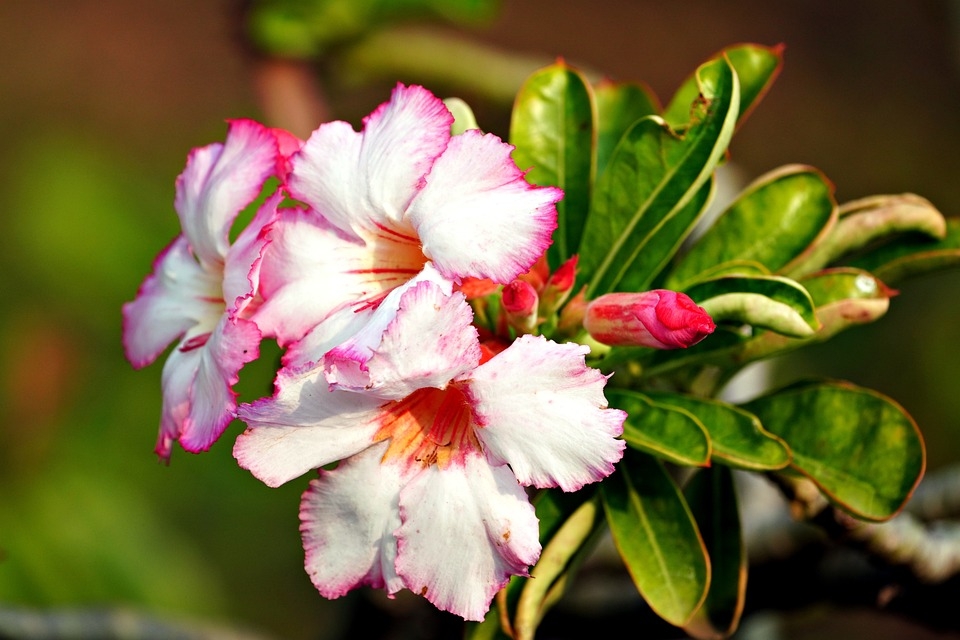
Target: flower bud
<point>520,302</point>
<point>558,286</point>
<point>660,319</point>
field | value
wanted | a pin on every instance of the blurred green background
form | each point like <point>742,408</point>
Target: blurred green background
<point>100,102</point>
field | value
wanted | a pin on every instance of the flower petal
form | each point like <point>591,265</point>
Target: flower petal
<point>310,270</point>
<point>178,295</point>
<point>303,426</point>
<point>466,530</point>
<point>213,402</point>
<point>543,412</point>
<point>241,273</point>
<point>218,182</point>
<point>366,180</point>
<point>477,216</point>
<point>347,520</point>
<point>420,336</point>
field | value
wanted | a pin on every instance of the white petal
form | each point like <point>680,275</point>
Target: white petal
<point>311,270</point>
<point>241,274</point>
<point>177,296</point>
<point>477,216</point>
<point>179,372</point>
<point>218,182</point>
<point>366,180</point>
<point>466,530</point>
<point>543,412</point>
<point>304,426</point>
<point>335,329</point>
<point>420,336</point>
<point>231,345</point>
<point>347,520</point>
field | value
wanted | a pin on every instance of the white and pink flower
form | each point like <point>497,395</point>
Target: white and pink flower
<point>383,202</point>
<point>203,289</point>
<point>436,447</point>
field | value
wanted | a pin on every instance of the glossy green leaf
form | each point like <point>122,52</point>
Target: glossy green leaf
<point>463,118</point>
<point>862,449</point>
<point>665,240</point>
<point>913,255</point>
<point>843,297</point>
<point>765,302</point>
<point>554,509</point>
<point>547,579</point>
<point>773,222</point>
<point>657,537</point>
<point>736,436</point>
<point>619,105</point>
<point>667,432</point>
<point>652,177</point>
<point>869,220</point>
<point>757,66</point>
<point>552,127</point>
<point>713,500</point>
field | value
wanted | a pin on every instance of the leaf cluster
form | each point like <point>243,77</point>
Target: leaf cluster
<point>781,267</point>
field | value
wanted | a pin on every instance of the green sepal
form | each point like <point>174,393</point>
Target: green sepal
<point>861,448</point>
<point>657,537</point>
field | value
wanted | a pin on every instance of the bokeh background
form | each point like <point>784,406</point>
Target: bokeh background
<point>100,101</point>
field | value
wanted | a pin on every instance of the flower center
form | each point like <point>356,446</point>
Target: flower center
<point>430,426</point>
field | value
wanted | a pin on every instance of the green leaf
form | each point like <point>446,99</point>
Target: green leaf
<point>619,105</point>
<point>463,118</point>
<point>665,431</point>
<point>552,127</point>
<point>765,302</point>
<point>713,500</point>
<point>657,537</point>
<point>554,509</point>
<point>547,579</point>
<point>773,221</point>
<point>913,255</point>
<point>843,297</point>
<point>756,66</point>
<point>869,220</point>
<point>736,436</point>
<point>861,449</point>
<point>653,175</point>
<point>665,240</point>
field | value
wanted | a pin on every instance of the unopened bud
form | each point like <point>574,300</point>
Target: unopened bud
<point>660,319</point>
<point>520,303</point>
<point>558,287</point>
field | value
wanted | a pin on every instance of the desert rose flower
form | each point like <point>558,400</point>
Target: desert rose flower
<point>202,289</point>
<point>660,319</point>
<point>380,204</point>
<point>436,449</point>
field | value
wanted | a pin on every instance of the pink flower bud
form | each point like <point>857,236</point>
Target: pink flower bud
<point>660,319</point>
<point>520,302</point>
<point>558,286</point>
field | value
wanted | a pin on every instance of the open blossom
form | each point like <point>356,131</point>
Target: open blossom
<point>435,447</point>
<point>661,319</point>
<point>384,201</point>
<point>202,288</point>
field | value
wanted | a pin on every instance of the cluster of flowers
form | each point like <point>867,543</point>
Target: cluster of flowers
<point>359,264</point>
